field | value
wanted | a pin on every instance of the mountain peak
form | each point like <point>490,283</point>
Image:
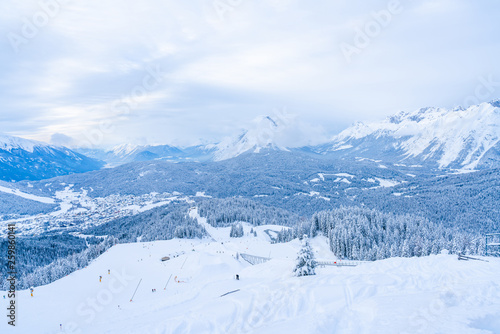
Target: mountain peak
<point>262,135</point>
<point>458,138</point>
<point>9,143</point>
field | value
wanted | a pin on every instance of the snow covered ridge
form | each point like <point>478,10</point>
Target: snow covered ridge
<point>459,138</point>
<point>9,143</point>
<point>23,159</point>
<point>279,132</point>
<point>263,135</point>
<point>465,139</point>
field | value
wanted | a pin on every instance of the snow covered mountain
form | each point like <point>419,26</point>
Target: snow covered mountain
<point>126,153</point>
<point>458,138</point>
<point>266,133</point>
<point>9,143</point>
<point>262,136</point>
<point>465,139</point>
<point>23,159</point>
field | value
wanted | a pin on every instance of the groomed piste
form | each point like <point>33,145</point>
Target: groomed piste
<point>195,291</point>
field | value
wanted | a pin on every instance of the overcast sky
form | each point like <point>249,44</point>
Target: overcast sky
<point>185,72</point>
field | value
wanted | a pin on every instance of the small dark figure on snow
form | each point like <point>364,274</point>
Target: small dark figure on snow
<point>237,277</point>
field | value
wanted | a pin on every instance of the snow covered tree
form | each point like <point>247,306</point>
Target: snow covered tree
<point>305,262</point>
<point>236,231</point>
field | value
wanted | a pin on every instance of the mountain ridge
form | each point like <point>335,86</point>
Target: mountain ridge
<point>445,138</point>
<point>455,139</point>
<point>24,159</point>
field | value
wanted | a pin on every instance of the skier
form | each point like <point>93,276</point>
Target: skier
<point>237,277</point>
<point>100,278</point>
<point>109,271</point>
<point>31,289</point>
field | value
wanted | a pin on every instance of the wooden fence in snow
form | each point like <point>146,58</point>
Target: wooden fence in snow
<point>340,263</point>
<point>252,259</point>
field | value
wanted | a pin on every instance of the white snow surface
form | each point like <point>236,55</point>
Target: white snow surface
<point>202,194</point>
<point>465,134</point>
<point>434,294</point>
<point>387,183</point>
<point>123,150</point>
<point>344,175</point>
<point>17,192</point>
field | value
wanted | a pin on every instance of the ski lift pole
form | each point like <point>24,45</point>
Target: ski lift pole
<point>136,290</point>
<point>184,262</point>
<point>486,245</point>
<point>165,288</point>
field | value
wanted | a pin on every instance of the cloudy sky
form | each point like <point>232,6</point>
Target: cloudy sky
<point>105,72</point>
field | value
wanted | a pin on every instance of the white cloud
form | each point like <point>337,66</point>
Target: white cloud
<point>220,72</point>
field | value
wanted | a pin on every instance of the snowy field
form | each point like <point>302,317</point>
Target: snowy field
<point>435,294</point>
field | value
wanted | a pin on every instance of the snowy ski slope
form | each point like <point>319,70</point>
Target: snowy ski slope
<point>436,294</point>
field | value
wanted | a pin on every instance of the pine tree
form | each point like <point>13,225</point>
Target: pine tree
<point>305,262</point>
<point>236,231</point>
